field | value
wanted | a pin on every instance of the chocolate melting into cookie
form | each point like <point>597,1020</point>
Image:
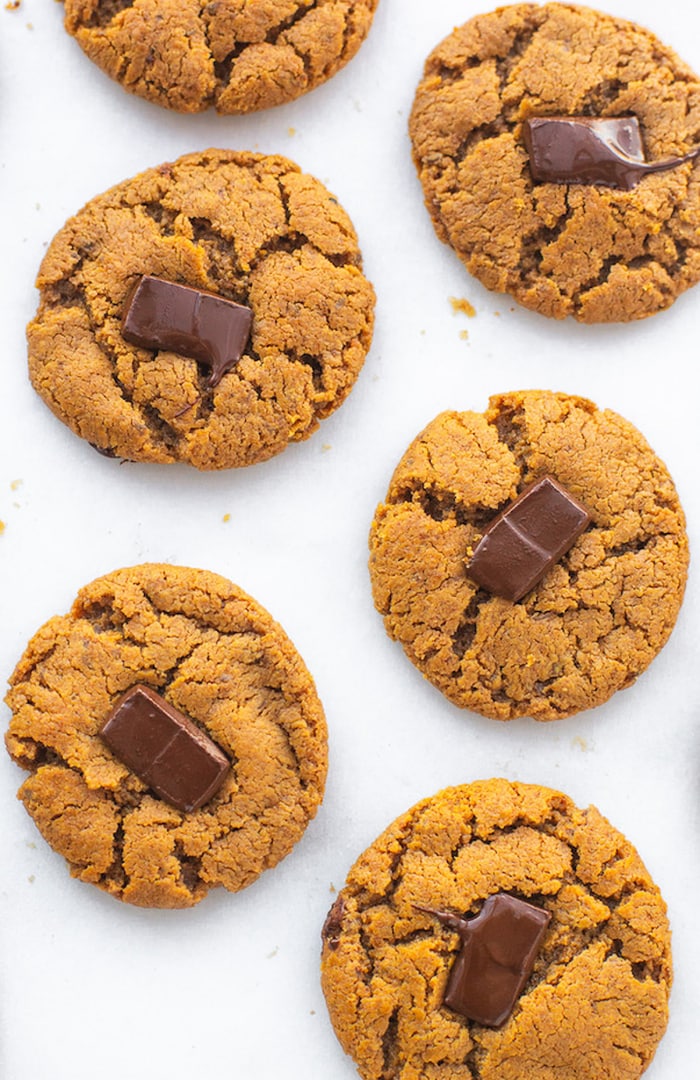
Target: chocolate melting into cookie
<point>159,314</point>
<point>582,150</point>
<point>499,949</point>
<point>527,538</point>
<point>165,749</point>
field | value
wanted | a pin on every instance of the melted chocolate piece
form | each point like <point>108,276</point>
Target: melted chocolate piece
<point>332,927</point>
<point>527,539</point>
<point>165,749</point>
<point>161,315</point>
<point>499,949</point>
<point>582,150</point>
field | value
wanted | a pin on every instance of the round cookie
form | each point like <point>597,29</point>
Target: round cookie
<point>237,55</point>
<point>598,616</point>
<point>597,253</point>
<point>252,229</point>
<point>218,657</point>
<point>595,1004</point>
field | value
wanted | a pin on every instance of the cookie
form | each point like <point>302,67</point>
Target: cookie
<point>236,55</point>
<point>598,253</point>
<point>215,656</point>
<point>594,1005</point>
<point>246,227</point>
<point>600,612</point>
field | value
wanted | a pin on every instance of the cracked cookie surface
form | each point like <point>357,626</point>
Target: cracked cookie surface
<point>595,1005</point>
<point>219,658</point>
<point>253,229</point>
<point>236,55</point>
<point>597,618</point>
<point>595,253</point>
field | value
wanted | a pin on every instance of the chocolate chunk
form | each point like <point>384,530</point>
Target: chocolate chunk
<point>499,949</point>
<point>333,926</point>
<point>161,315</point>
<point>165,749</point>
<point>527,539</point>
<point>581,150</point>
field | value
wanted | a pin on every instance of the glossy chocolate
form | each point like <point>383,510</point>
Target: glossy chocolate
<point>161,315</point>
<point>165,749</point>
<point>527,539</point>
<point>499,949</point>
<point>584,150</point>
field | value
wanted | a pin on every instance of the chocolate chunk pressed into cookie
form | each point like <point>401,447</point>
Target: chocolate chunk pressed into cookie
<point>598,614</point>
<point>246,227</point>
<point>599,253</point>
<point>405,929</point>
<point>236,55</point>
<point>221,667</point>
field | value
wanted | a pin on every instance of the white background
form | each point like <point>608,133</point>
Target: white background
<point>90,987</point>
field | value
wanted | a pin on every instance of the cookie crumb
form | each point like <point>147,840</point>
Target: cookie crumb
<point>15,484</point>
<point>333,888</point>
<point>12,5</point>
<point>272,954</point>
<point>291,131</point>
<point>2,527</point>
<point>325,447</point>
<point>580,744</point>
<point>226,518</point>
<point>31,879</point>
<point>464,334</point>
<point>462,304</point>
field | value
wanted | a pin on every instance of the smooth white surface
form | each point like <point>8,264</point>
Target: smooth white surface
<point>90,987</point>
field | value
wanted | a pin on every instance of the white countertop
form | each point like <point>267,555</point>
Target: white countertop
<point>90,987</point>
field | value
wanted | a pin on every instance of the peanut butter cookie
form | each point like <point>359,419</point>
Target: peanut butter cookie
<point>405,927</point>
<point>600,612</point>
<point>249,228</point>
<point>237,55</point>
<point>599,253</point>
<point>217,658</point>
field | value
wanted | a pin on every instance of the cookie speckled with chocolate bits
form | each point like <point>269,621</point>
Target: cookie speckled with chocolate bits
<point>221,661</point>
<point>236,55</point>
<point>595,1004</point>
<point>599,254</point>
<point>250,228</point>
<point>600,613</point>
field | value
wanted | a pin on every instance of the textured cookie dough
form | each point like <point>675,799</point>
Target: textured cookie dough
<point>596,253</point>
<point>594,622</point>
<point>251,228</point>
<point>595,1005</point>
<point>218,657</point>
<point>238,55</point>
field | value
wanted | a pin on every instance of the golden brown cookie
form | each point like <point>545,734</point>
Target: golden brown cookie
<point>597,253</point>
<point>238,55</point>
<point>595,1004</point>
<point>252,229</point>
<point>599,615</point>
<point>218,658</point>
